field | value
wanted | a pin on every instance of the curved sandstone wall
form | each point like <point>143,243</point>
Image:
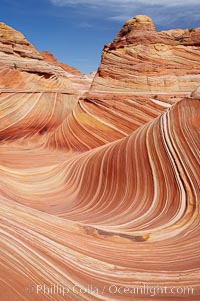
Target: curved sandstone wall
<point>100,194</point>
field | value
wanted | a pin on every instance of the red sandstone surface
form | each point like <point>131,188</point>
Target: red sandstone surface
<point>101,191</point>
<point>23,67</point>
<point>52,60</point>
<point>80,81</point>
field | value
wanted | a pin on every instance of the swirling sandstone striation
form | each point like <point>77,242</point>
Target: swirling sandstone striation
<point>141,69</point>
<point>22,66</point>
<point>36,93</point>
<point>142,59</point>
<point>80,81</point>
<point>123,214</point>
<point>102,193</point>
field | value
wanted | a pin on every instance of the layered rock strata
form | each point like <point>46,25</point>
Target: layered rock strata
<point>122,215</point>
<point>23,67</point>
<point>142,73</point>
<point>99,198</point>
<point>36,92</point>
<point>141,59</point>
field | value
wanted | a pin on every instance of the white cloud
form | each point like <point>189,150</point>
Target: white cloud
<point>84,25</point>
<point>120,18</point>
<point>125,3</point>
<point>95,3</point>
<point>164,13</point>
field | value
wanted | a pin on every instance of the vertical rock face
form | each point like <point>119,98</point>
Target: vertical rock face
<point>100,195</point>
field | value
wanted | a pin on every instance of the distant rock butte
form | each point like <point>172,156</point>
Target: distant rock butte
<point>49,57</point>
<point>23,67</point>
<point>80,81</point>
<point>142,59</point>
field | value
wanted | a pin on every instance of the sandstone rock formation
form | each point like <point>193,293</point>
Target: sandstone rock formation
<point>52,60</point>
<point>141,59</point>
<point>80,81</point>
<point>23,67</point>
<point>100,198</point>
<point>34,82</point>
<point>141,69</point>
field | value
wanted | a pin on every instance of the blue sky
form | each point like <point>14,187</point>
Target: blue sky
<point>75,31</point>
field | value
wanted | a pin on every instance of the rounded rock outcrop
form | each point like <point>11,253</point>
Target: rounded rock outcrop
<point>141,20</point>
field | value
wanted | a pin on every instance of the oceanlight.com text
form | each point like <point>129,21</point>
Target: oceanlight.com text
<point>110,289</point>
